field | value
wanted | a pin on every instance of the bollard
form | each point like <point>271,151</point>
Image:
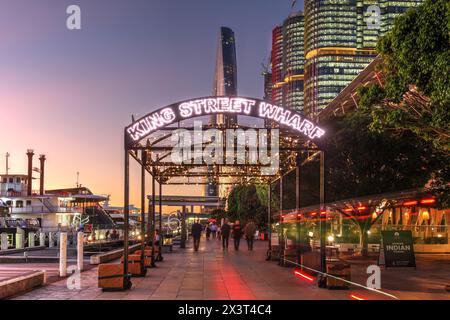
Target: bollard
<point>31,239</point>
<point>42,239</point>
<point>62,254</point>
<point>4,241</point>
<point>50,240</point>
<point>80,247</point>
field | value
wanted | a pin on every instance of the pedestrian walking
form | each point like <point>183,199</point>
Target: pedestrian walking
<point>237,234</point>
<point>249,231</point>
<point>208,232</point>
<point>225,234</point>
<point>214,230</point>
<point>196,234</point>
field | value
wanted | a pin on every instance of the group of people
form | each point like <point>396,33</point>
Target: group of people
<point>224,232</point>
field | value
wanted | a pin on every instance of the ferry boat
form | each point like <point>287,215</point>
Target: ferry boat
<point>27,211</point>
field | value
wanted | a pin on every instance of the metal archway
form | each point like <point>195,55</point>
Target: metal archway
<point>148,141</point>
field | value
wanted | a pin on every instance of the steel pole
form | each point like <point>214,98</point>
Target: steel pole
<point>269,220</point>
<point>144,162</point>
<point>282,244</point>
<point>297,207</point>
<point>152,237</point>
<point>160,257</point>
<point>323,222</point>
<point>126,213</point>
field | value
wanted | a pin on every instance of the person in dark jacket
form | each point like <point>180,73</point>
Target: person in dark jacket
<point>225,233</point>
<point>237,234</point>
<point>250,229</point>
<point>196,234</point>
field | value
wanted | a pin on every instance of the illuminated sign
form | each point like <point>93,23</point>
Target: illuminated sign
<point>222,105</point>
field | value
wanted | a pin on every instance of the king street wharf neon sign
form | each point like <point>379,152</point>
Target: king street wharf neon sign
<point>221,105</point>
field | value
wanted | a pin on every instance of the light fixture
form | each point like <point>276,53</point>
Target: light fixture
<point>311,234</point>
<point>330,238</point>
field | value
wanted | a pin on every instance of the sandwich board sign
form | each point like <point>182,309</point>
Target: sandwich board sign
<point>397,249</point>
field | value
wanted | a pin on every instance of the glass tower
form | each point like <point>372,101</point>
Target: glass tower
<point>288,61</point>
<point>225,80</point>
<point>293,61</point>
<point>225,84</point>
<point>277,65</point>
<point>340,40</point>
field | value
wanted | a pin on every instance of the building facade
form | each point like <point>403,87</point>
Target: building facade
<point>277,65</point>
<point>315,55</point>
<point>340,40</point>
<point>288,61</point>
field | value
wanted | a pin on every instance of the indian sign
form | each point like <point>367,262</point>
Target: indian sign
<point>398,249</point>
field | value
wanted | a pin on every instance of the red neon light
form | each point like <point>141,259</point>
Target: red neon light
<point>428,201</point>
<point>348,210</point>
<point>314,214</point>
<point>355,297</point>
<point>322,213</point>
<point>306,277</point>
<point>410,203</point>
<point>362,208</point>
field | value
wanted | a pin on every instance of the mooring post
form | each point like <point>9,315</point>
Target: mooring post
<point>62,254</point>
<point>80,250</point>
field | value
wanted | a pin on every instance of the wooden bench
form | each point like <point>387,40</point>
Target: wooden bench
<point>111,277</point>
<point>135,265</point>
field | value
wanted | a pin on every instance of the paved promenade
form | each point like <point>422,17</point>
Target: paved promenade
<point>208,274</point>
<point>214,274</point>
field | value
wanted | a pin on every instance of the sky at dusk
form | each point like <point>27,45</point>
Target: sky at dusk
<point>69,94</point>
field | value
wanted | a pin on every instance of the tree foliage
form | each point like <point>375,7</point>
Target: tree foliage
<point>248,202</point>
<point>415,95</point>
<point>362,162</point>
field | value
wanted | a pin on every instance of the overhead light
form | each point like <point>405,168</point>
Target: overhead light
<point>428,201</point>
<point>410,203</point>
<point>330,238</point>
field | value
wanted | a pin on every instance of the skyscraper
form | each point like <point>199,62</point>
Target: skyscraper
<point>288,62</point>
<point>225,80</point>
<point>293,61</point>
<point>277,65</point>
<point>225,84</point>
<point>340,40</point>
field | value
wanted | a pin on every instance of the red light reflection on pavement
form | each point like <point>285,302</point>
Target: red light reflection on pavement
<point>304,276</point>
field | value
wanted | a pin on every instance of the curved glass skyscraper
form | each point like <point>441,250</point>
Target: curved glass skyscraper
<point>225,80</point>
<point>225,84</point>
